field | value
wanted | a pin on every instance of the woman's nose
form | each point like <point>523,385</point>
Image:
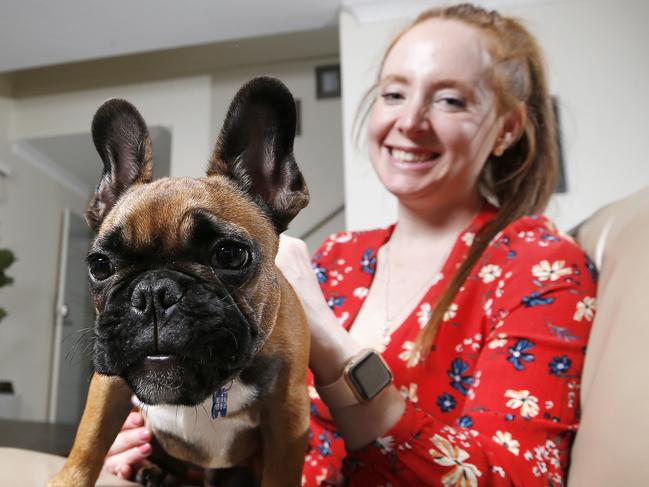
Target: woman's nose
<point>414,119</point>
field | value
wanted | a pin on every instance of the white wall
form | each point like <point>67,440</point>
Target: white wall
<point>30,218</point>
<point>318,150</point>
<point>599,69</point>
<point>181,105</point>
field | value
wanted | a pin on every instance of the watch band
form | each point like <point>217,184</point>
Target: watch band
<point>338,394</point>
<point>342,392</point>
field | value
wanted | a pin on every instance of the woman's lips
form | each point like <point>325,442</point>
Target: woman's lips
<point>411,159</point>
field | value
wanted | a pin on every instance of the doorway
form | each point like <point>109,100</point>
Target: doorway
<point>71,365</point>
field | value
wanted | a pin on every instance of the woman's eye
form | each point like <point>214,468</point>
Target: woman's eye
<point>392,97</point>
<point>100,267</point>
<point>230,256</point>
<point>451,102</point>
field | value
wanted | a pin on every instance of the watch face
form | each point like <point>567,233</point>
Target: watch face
<point>370,376</point>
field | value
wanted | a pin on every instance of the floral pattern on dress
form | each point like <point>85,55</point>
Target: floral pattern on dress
<point>496,401</point>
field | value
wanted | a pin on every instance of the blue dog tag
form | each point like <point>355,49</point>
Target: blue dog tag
<point>220,403</point>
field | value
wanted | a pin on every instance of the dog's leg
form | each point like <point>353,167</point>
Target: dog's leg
<point>285,417</point>
<point>285,435</point>
<point>108,404</point>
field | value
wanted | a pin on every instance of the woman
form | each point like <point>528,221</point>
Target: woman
<point>479,307</point>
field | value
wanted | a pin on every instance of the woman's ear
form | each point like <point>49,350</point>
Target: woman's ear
<point>512,129</point>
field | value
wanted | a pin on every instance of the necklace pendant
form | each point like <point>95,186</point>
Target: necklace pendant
<point>386,329</point>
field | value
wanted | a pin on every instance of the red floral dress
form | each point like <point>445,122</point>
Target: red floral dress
<point>496,402</point>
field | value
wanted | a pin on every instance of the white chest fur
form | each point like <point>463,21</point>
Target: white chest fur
<point>195,425</point>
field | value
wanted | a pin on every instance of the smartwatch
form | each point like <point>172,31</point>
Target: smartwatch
<point>363,377</point>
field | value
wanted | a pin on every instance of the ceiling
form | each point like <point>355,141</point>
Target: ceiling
<point>40,33</point>
<point>36,33</point>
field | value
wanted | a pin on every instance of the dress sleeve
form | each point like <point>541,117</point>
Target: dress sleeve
<point>521,409</point>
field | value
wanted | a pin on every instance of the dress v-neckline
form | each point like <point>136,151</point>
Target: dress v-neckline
<point>452,262</point>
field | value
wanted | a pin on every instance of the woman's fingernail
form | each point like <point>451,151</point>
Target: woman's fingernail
<point>145,449</point>
<point>145,435</point>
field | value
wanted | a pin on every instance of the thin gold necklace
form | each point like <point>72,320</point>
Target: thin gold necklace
<point>389,318</point>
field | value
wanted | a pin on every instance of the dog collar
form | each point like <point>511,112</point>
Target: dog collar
<point>220,403</point>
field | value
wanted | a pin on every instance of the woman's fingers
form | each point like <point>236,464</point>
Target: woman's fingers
<point>129,438</point>
<point>122,464</point>
<point>130,447</point>
<point>133,420</point>
<point>293,258</point>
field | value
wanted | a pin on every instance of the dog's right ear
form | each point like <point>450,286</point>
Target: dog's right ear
<point>122,140</point>
<point>255,149</point>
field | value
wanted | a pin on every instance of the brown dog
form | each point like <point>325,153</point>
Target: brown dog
<point>193,317</point>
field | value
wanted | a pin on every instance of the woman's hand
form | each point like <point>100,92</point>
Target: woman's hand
<point>295,263</point>
<point>131,446</point>
<point>331,345</point>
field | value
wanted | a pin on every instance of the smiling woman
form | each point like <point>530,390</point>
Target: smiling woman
<point>460,116</point>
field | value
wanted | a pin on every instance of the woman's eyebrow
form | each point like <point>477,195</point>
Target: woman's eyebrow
<point>438,84</point>
<point>393,78</point>
<point>452,83</point>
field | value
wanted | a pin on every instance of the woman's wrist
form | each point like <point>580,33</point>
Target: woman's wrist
<point>362,423</point>
<point>331,349</point>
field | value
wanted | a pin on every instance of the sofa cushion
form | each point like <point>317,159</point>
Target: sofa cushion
<point>26,468</point>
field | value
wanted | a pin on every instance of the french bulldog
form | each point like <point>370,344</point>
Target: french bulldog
<point>193,317</point>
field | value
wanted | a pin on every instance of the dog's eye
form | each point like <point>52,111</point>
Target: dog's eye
<point>100,267</point>
<point>230,256</point>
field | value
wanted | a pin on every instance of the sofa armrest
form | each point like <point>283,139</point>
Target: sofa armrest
<point>611,445</point>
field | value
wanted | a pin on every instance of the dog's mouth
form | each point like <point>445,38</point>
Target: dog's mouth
<point>175,379</point>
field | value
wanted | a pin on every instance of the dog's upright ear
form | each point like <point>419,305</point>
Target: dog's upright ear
<point>255,149</point>
<point>122,140</point>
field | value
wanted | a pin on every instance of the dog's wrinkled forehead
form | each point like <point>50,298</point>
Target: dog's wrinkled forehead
<point>164,215</point>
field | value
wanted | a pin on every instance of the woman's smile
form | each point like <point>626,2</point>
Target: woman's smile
<point>411,159</point>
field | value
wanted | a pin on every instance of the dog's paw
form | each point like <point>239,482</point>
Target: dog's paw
<point>151,475</point>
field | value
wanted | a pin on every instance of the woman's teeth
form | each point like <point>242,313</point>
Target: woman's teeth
<point>407,156</point>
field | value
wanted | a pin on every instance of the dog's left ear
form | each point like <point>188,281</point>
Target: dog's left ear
<point>255,149</point>
<point>122,140</point>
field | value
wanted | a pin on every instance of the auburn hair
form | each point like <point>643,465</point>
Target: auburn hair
<point>523,178</point>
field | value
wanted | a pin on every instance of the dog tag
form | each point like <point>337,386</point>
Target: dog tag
<point>220,403</point>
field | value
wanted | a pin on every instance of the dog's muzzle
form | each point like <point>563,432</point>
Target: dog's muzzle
<point>173,338</point>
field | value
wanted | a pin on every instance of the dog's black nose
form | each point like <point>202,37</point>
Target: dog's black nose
<point>155,295</point>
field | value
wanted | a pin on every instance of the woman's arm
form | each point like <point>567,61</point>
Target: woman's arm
<point>332,347</point>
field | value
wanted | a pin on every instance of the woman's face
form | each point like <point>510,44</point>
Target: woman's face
<point>435,121</point>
